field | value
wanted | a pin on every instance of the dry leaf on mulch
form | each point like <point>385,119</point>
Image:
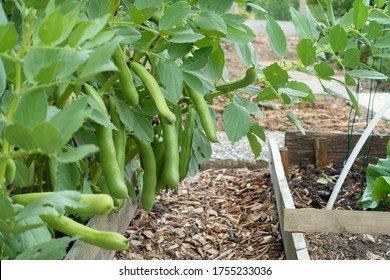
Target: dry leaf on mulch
<point>217,215</point>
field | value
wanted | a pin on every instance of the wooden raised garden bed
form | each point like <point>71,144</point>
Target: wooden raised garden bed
<point>112,222</point>
<point>294,222</point>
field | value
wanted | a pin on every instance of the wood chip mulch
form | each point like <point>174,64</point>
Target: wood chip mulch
<point>220,214</point>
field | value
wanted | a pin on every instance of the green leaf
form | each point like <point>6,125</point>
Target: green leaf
<point>254,144</point>
<point>248,54</point>
<point>251,107</point>
<point>199,59</point>
<point>67,177</point>
<point>174,14</point>
<point>352,58</point>
<point>217,6</point>
<point>8,37</point>
<point>383,43</point>
<point>32,109</point>
<point>78,153</point>
<point>243,35</point>
<point>292,118</point>
<point>76,112</point>
<point>349,81</point>
<point>172,79</point>
<point>353,100</point>
<point>198,81</point>
<point>380,17</point>
<point>20,136</point>
<point>128,34</point>
<point>125,114</point>
<point>47,137</point>
<point>86,30</point>
<point>303,88</point>
<point>324,70</point>
<point>338,38</point>
<point>304,25</point>
<point>381,188</point>
<point>139,16</point>
<point>46,65</point>
<point>236,121</point>
<point>277,38</point>
<point>3,78</point>
<point>258,130</point>
<point>54,249</point>
<point>374,30</point>
<point>211,24</point>
<point>367,74</point>
<point>380,3</point>
<point>201,147</point>
<point>99,60</point>
<point>98,8</point>
<point>187,38</point>
<point>142,4</point>
<point>275,75</point>
<point>22,176</point>
<point>3,17</point>
<point>306,52</point>
<point>216,64</point>
<point>51,28</point>
<point>360,14</point>
<point>179,50</point>
<point>266,94</point>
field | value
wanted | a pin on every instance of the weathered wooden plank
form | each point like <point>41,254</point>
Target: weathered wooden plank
<point>301,148</point>
<point>294,243</point>
<point>336,221</point>
<point>321,152</point>
<point>112,222</point>
<point>284,157</point>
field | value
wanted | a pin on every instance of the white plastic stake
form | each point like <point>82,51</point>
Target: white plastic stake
<point>355,153</point>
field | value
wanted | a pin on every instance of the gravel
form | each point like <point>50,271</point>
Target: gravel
<point>238,155</point>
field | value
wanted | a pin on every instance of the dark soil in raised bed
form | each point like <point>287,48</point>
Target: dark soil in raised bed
<point>307,192</point>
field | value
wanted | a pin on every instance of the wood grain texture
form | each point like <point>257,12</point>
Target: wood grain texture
<point>336,221</point>
<point>301,147</point>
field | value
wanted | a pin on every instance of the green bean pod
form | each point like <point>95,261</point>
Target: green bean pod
<point>91,92</point>
<point>204,114</point>
<point>159,155</point>
<point>248,79</point>
<point>125,78</point>
<point>93,204</point>
<point>104,239</point>
<point>186,144</point>
<point>119,135</point>
<point>111,169</point>
<point>148,163</point>
<point>10,171</point>
<point>171,165</point>
<point>154,90</point>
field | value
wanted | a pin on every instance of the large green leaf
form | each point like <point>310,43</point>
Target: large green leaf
<point>128,34</point>
<point>51,28</point>
<point>292,118</point>
<point>248,54</point>
<point>201,147</point>
<point>76,112</point>
<point>47,138</point>
<point>306,92</point>
<point>352,58</point>
<point>254,144</point>
<point>368,74</point>
<point>374,30</point>
<point>46,65</point>
<point>243,35</point>
<point>8,36</point>
<point>172,79</point>
<point>306,52</point>
<point>86,30</point>
<point>198,81</point>
<point>304,24</point>
<point>174,14</point>
<point>324,70</point>
<point>277,38</point>
<point>353,100</point>
<point>67,177</point>
<point>275,75</point>
<point>20,136</point>
<point>360,14</point>
<point>338,38</point>
<point>77,153</point>
<point>217,6</point>
<point>211,24</point>
<point>198,60</point>
<point>142,4</point>
<point>139,16</point>
<point>189,37</point>
<point>98,8</point>
<point>236,121</point>
<point>383,43</point>
<point>32,109</point>
<point>216,64</point>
